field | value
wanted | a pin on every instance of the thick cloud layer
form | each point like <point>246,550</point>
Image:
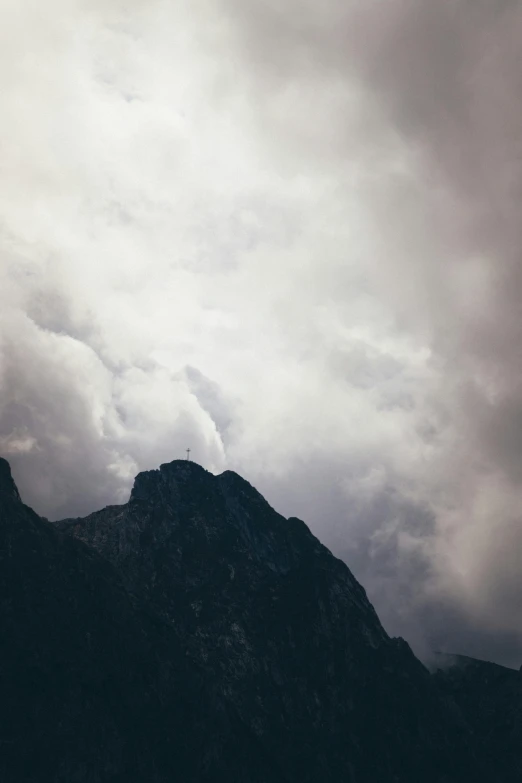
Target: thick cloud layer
<point>287,237</point>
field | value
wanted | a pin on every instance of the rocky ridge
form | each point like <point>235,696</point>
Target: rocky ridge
<point>194,634</point>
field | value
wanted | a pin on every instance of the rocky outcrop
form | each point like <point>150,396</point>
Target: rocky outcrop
<point>194,634</point>
<point>8,489</point>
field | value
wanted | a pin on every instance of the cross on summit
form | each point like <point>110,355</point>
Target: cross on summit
<point>188,454</point>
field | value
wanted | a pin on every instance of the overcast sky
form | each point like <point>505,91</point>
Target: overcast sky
<point>287,235</point>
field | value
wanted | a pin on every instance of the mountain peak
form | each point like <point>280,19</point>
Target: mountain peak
<point>197,633</point>
<point>7,485</point>
<point>148,482</point>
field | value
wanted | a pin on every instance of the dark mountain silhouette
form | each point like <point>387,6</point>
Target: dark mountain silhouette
<point>195,635</point>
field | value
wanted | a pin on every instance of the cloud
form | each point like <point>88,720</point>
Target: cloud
<point>287,237</point>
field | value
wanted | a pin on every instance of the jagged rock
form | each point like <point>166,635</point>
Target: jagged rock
<point>194,634</point>
<point>7,486</point>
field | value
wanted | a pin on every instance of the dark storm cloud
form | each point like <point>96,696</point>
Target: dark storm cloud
<point>449,74</point>
<point>443,79</point>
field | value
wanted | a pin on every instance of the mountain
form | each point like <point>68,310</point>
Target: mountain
<point>88,682</point>
<point>491,698</point>
<point>195,635</point>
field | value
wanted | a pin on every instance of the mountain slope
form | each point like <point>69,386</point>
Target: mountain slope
<point>91,687</point>
<point>281,628</point>
<point>491,698</point>
<point>195,635</point>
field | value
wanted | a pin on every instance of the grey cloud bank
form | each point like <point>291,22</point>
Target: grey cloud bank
<point>290,239</point>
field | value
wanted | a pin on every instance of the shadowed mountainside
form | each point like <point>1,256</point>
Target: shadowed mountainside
<point>194,634</point>
<point>491,698</point>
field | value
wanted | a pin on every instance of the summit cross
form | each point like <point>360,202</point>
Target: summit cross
<point>188,454</point>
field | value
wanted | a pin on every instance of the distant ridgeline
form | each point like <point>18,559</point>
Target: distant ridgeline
<point>195,635</point>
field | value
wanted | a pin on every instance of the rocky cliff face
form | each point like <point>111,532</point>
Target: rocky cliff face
<point>194,634</point>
